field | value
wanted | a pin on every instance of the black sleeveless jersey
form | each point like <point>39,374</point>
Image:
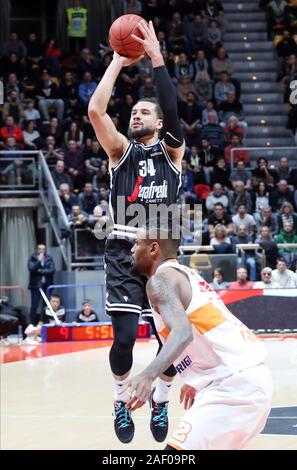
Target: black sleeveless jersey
<point>146,176</point>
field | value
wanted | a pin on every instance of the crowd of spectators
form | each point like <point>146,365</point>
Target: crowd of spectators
<point>47,91</point>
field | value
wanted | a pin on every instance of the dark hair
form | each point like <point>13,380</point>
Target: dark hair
<point>156,103</point>
<point>54,295</point>
<point>166,231</point>
<point>219,204</point>
<point>219,270</point>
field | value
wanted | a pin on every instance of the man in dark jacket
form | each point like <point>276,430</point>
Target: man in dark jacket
<point>42,268</point>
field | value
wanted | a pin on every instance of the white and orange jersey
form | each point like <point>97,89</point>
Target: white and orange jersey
<point>221,344</point>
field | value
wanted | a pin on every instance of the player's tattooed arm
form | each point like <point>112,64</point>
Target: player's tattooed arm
<point>164,294</point>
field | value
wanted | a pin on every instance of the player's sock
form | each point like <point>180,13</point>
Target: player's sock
<point>161,393</point>
<point>117,385</point>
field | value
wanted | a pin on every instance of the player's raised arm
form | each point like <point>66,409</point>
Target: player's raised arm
<point>172,131</point>
<point>163,292</point>
<point>113,142</point>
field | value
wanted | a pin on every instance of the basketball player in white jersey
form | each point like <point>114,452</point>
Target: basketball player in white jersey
<point>228,386</point>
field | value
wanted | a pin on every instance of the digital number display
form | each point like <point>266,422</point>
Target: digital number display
<point>85,332</point>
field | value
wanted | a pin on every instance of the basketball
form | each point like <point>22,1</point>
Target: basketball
<point>120,36</point>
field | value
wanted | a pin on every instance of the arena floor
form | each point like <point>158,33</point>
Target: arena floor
<point>59,396</point>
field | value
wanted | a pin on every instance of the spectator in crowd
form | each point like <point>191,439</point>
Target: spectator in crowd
<point>190,118</point>
<point>242,280</point>
<point>260,198</point>
<point>48,95</point>
<point>276,12</point>
<point>68,199</point>
<point>203,88</point>
<point>244,218</point>
<point>246,257</point>
<point>283,171</point>
<point>239,197</point>
<point>222,88</point>
<point>241,174</point>
<point>213,132</point>
<point>262,173</point>
<point>208,154</point>
<point>32,138</point>
<point>54,129</point>
<point>200,63</point>
<point>87,315</point>
<point>213,38</point>
<point>13,65</point>
<point>13,84</point>
<point>35,59</point>
<point>219,217</point>
<point>177,35</point>
<point>283,276</point>
<point>221,63</point>
<point>238,154</point>
<point>77,218</point>
<point>60,176</point>
<point>86,90</point>
<point>51,153</point>
<point>74,163</point>
<point>86,64</point>
<point>266,280</point>
<point>102,177</point>
<point>220,240</point>
<point>281,195</point>
<point>218,282</point>
<point>286,214</point>
<point>15,46</point>
<point>197,34</point>
<point>184,67</point>
<point>287,235</point>
<point>188,196</point>
<point>268,245</point>
<point>220,174</point>
<point>41,267</point>
<point>217,195</point>
<point>74,133</point>
<point>267,218</point>
<point>69,94</point>
<point>31,113</point>
<point>184,87</point>
<point>47,317</point>
<point>11,130</point>
<point>94,156</point>
<point>13,107</point>
<point>148,89</point>
<point>88,199</point>
<point>209,108</point>
<point>231,107</point>
<point>233,127</point>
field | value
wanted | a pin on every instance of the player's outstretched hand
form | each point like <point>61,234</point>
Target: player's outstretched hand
<point>140,389</point>
<point>187,395</point>
<point>126,61</point>
<point>149,42</point>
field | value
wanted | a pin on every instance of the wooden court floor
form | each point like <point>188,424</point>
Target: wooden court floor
<point>64,401</point>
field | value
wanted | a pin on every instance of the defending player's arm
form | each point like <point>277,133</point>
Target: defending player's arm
<point>173,133</point>
<point>113,142</point>
<point>163,292</point>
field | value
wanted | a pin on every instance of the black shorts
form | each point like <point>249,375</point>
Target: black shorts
<point>125,289</point>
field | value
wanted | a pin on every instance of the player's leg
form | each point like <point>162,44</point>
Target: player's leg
<point>159,397</point>
<point>226,415</point>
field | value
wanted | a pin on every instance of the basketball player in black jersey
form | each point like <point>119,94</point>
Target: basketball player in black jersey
<point>146,171</point>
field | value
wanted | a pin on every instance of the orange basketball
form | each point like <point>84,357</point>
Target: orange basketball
<point>120,36</point>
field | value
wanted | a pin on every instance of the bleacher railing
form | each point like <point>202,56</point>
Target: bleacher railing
<point>271,153</point>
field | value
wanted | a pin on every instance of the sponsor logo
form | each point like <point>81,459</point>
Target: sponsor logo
<point>153,192</point>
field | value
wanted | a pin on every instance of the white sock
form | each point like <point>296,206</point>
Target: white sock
<point>117,385</point>
<point>161,393</point>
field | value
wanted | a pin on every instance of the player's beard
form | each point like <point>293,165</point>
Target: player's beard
<point>140,132</point>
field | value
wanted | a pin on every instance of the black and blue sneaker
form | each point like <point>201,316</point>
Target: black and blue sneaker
<point>123,423</point>
<point>159,418</point>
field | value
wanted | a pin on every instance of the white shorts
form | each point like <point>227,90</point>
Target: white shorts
<point>226,415</point>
